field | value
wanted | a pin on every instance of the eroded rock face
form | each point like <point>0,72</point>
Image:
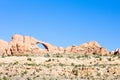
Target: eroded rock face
<point>25,45</point>
<point>91,44</point>
<point>3,47</point>
<point>102,51</point>
<point>87,48</point>
<point>117,51</point>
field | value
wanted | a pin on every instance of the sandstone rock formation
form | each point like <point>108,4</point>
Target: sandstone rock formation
<point>92,44</point>
<point>25,45</point>
<point>87,48</point>
<point>102,51</point>
<point>117,51</point>
<point>49,47</point>
<point>3,47</point>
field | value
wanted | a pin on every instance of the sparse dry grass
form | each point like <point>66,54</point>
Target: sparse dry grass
<point>60,67</point>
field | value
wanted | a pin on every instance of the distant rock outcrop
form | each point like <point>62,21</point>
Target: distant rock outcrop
<point>87,48</point>
<point>3,47</point>
<point>117,51</point>
<point>20,45</point>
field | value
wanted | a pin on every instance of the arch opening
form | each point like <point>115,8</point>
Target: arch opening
<point>42,46</point>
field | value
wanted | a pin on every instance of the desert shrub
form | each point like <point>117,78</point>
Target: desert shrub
<point>23,73</point>
<point>15,63</point>
<point>46,55</point>
<point>71,57</point>
<point>100,59</point>
<point>30,64</point>
<point>96,64</point>
<point>60,64</point>
<point>103,65</point>
<point>78,57</point>
<point>29,78</point>
<point>44,78</point>
<point>80,65</point>
<point>3,56</point>
<point>97,56</point>
<point>109,59</point>
<point>58,55</point>
<point>85,56</point>
<point>118,56</point>
<point>90,62</point>
<point>49,60</point>
<point>29,59</point>
<point>48,66</point>
<point>98,74</point>
<point>72,64</point>
<point>75,72</point>
<point>5,78</point>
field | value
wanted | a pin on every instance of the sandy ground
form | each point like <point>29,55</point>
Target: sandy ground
<point>69,67</point>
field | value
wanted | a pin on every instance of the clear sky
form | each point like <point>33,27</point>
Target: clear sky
<point>62,22</point>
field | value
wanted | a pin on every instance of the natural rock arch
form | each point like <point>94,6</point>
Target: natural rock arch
<point>45,46</point>
<point>48,47</point>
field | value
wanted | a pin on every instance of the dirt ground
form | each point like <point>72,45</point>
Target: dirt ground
<point>60,67</point>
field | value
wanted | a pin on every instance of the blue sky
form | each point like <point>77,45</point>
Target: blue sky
<point>62,22</point>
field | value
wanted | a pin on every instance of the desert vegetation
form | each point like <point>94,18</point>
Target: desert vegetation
<point>60,66</point>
